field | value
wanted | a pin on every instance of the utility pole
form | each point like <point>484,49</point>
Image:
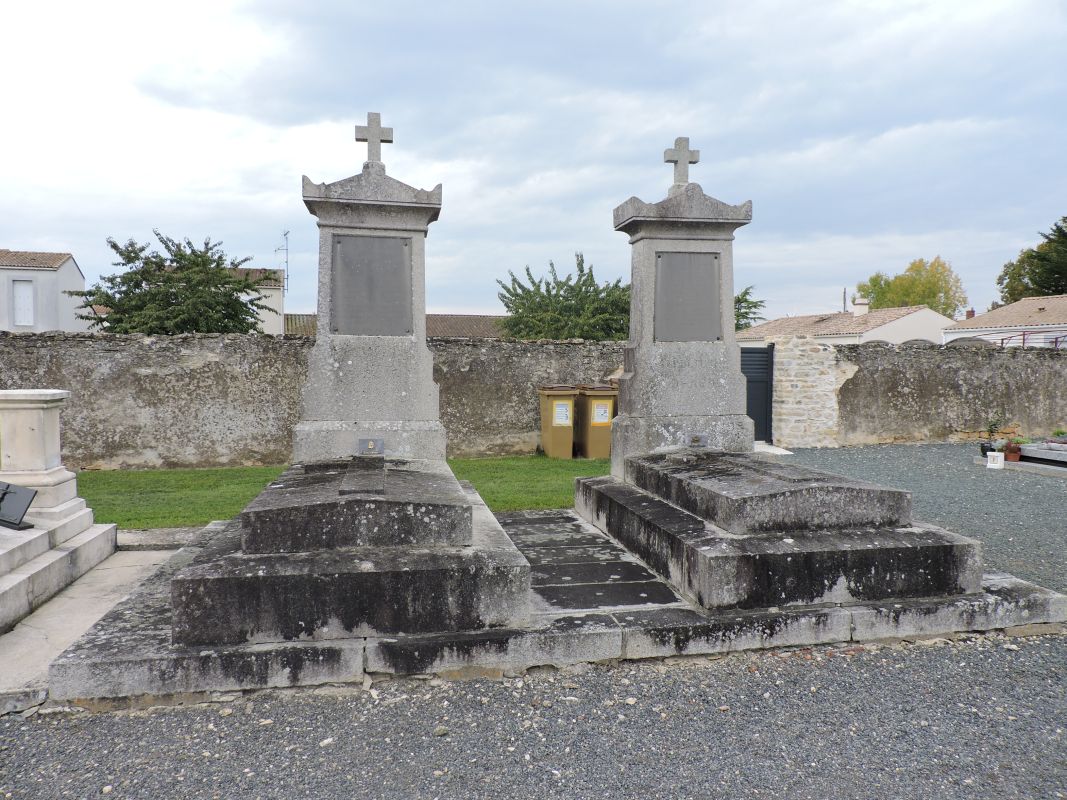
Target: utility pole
<point>844,305</point>
<point>285,249</point>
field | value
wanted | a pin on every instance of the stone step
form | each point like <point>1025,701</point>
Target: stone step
<point>31,583</point>
<point>719,569</point>
<point>229,597</point>
<point>745,494</point>
<point>348,504</point>
<point>18,547</point>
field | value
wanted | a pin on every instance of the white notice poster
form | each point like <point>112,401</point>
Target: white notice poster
<point>561,414</point>
<point>601,413</point>
<point>994,460</point>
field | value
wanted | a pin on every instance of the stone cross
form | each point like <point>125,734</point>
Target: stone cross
<point>374,134</point>
<point>681,156</point>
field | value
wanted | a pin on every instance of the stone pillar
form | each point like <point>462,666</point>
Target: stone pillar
<point>370,374</point>
<point>29,445</point>
<point>682,382</point>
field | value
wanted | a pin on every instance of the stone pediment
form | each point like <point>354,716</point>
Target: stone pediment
<point>371,186</point>
<point>689,204</point>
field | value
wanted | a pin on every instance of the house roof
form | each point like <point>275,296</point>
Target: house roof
<point>842,323</point>
<point>300,324</point>
<point>1030,312</point>
<point>27,259</point>
<point>472,326</point>
<point>272,278</point>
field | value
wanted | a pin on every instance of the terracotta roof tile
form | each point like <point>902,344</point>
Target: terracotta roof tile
<point>1030,312</point>
<point>272,278</point>
<point>32,260</point>
<point>836,324</point>
<point>300,324</point>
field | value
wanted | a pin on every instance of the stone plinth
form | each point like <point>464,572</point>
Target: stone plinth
<point>370,374</point>
<point>682,380</point>
<point>63,543</point>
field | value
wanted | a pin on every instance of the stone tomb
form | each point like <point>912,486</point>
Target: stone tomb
<point>353,562</point>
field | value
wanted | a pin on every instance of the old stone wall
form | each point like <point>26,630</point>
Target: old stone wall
<point>205,400</point>
<point>828,396</point>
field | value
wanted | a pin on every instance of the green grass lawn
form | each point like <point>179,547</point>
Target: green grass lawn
<point>173,498</point>
<point>518,483</point>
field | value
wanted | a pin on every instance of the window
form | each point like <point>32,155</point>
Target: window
<point>23,296</point>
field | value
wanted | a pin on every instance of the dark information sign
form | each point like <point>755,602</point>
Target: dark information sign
<point>14,501</point>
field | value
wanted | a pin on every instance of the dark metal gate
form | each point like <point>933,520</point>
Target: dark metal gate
<point>757,363</point>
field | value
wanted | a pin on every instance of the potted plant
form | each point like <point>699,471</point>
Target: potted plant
<point>992,428</point>
<point>1013,449</point>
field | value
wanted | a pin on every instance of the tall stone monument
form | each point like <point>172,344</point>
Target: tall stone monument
<point>370,375</point>
<point>682,380</point>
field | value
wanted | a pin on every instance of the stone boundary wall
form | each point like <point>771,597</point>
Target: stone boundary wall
<point>833,395</point>
<point>203,400</point>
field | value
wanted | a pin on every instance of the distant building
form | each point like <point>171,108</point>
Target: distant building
<point>469,326</point>
<point>273,290</point>
<point>33,290</point>
<point>892,325</point>
<point>1030,322</point>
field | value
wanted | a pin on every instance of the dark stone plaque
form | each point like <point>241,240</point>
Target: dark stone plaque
<point>14,501</point>
<point>687,298</point>
<point>370,291</point>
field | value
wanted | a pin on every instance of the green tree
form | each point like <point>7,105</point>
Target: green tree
<point>930,283</point>
<point>746,309</point>
<point>1016,277</point>
<point>1049,273</point>
<point>573,307</point>
<point>186,289</point>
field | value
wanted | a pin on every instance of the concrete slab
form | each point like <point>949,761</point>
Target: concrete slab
<point>1049,470</point>
<point>30,646</point>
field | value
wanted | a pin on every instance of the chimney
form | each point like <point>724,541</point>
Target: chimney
<point>970,313</point>
<point>860,306</point>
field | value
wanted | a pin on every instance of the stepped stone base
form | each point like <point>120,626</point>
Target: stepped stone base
<point>39,572</point>
<point>229,597</point>
<point>129,652</point>
<point>719,569</point>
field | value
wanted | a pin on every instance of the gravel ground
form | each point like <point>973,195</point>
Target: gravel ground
<point>966,719</point>
<point>983,717</point>
<point>1020,518</point>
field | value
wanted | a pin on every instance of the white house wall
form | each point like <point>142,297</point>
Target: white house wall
<point>922,324</point>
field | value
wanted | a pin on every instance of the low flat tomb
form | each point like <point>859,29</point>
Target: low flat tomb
<point>732,531</point>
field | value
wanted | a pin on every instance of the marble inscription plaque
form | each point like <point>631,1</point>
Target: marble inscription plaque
<point>687,307</point>
<point>370,293</point>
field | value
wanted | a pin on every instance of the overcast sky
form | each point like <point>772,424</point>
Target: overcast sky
<point>866,134</point>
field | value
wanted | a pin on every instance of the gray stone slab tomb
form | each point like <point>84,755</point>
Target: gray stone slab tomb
<point>367,555</point>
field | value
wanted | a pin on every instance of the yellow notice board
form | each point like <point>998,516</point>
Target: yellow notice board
<point>601,412</point>
<point>562,413</point>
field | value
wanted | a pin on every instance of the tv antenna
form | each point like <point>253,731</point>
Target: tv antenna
<point>285,249</point>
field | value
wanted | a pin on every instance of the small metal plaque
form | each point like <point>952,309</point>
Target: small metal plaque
<point>696,440</point>
<point>687,305</point>
<point>370,290</point>
<point>14,502</point>
<point>371,447</point>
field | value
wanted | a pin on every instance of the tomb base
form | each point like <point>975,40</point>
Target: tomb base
<point>324,440</point>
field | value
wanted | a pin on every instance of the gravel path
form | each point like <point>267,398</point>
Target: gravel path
<point>954,720</point>
<point>1020,518</point>
<point>983,717</point>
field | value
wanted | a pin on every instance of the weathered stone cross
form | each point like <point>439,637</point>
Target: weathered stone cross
<point>374,134</point>
<point>681,156</point>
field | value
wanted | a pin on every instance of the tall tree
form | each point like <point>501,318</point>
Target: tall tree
<point>746,309</point>
<point>573,307</point>
<point>185,289</point>
<point>1049,274</point>
<point>1016,278</point>
<point>930,283</point>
